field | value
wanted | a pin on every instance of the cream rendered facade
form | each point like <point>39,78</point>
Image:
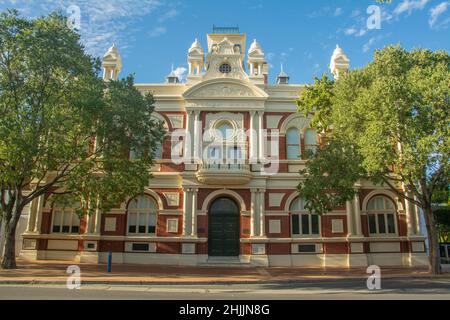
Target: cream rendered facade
<point>201,211</point>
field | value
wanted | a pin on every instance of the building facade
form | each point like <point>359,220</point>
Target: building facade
<point>224,185</point>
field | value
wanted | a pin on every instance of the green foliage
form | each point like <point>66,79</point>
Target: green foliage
<point>442,215</point>
<point>336,166</point>
<point>317,100</point>
<point>62,129</point>
<point>395,114</point>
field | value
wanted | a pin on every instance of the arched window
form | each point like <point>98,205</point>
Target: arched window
<point>381,214</point>
<point>303,222</point>
<point>142,213</point>
<point>65,220</point>
<point>311,140</point>
<point>293,144</point>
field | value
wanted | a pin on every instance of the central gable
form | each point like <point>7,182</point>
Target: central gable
<point>225,89</point>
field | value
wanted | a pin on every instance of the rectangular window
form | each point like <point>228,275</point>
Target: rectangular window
<point>57,221</point>
<point>305,224</point>
<point>152,223</point>
<point>372,224</point>
<point>306,248</point>
<point>295,225</point>
<point>391,223</point>
<point>132,222</point>
<point>142,223</point>
<point>381,223</point>
<point>293,152</point>
<point>315,224</point>
<point>66,222</point>
<point>75,223</point>
<point>140,247</point>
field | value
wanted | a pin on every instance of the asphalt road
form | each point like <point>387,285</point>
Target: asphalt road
<point>433,289</point>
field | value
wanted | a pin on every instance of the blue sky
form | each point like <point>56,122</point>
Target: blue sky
<point>302,34</point>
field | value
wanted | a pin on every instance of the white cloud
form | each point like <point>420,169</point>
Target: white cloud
<point>355,13</point>
<point>172,13</point>
<point>409,6</point>
<point>350,31</point>
<point>338,12</point>
<point>369,44</point>
<point>436,12</point>
<point>157,31</point>
<point>181,73</point>
<point>103,22</point>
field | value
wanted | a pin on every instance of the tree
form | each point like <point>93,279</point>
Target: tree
<point>389,124</point>
<point>63,131</point>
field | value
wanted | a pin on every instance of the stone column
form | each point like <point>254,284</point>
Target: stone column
<point>197,136</point>
<point>39,209</point>
<point>187,212</point>
<point>189,136</point>
<point>98,221</point>
<point>253,139</point>
<point>262,215</point>
<point>261,135</point>
<point>410,216</point>
<point>357,219</point>
<point>33,215</point>
<point>417,219</point>
<point>253,211</point>
<point>350,218</point>
<point>194,213</point>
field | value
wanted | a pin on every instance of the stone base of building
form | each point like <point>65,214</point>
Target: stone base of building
<point>305,261</point>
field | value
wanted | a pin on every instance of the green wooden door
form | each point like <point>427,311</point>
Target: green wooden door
<point>224,235</point>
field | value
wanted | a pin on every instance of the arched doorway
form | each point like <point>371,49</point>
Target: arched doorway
<point>224,226</point>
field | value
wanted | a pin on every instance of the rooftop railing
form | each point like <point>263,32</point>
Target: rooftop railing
<point>226,30</point>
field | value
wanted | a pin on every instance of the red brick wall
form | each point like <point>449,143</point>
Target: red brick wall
<point>162,226</point>
<point>46,223</point>
<point>121,225</point>
<point>285,227</point>
<point>327,226</point>
<point>278,248</point>
<point>168,247</point>
<point>336,248</point>
<point>114,246</point>
<point>245,226</point>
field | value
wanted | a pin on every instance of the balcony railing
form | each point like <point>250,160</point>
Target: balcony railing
<point>225,166</point>
<point>224,173</point>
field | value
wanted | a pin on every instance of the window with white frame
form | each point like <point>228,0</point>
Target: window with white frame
<point>293,144</point>
<point>310,140</point>
<point>381,216</point>
<point>303,222</point>
<point>142,214</point>
<point>65,220</point>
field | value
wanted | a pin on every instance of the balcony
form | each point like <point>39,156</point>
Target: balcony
<point>224,173</point>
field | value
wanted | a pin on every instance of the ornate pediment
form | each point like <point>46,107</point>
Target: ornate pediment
<point>224,89</point>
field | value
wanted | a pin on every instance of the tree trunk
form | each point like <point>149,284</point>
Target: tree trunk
<point>9,254</point>
<point>433,238</point>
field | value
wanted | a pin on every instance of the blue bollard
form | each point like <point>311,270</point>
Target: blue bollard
<point>109,261</point>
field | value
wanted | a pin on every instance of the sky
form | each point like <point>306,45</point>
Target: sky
<point>153,35</point>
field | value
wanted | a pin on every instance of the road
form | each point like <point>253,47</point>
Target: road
<point>433,289</point>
